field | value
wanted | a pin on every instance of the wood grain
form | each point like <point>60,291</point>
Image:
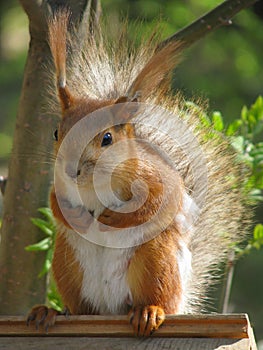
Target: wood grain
<point>181,332</point>
<point>80,343</point>
<point>207,326</point>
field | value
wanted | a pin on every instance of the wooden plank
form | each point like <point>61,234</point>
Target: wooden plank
<point>235,326</point>
<point>69,343</point>
<point>253,345</point>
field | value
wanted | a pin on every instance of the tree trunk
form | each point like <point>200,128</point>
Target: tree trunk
<point>30,169</point>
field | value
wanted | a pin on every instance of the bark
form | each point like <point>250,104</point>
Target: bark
<point>30,170</point>
<point>218,17</point>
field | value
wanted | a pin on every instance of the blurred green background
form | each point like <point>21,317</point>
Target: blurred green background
<point>225,68</point>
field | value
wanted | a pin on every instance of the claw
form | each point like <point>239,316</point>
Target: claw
<point>30,318</point>
<point>146,319</point>
<point>41,314</point>
<point>65,312</point>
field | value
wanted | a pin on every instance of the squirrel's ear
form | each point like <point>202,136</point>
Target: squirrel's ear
<point>58,28</point>
<point>157,72</point>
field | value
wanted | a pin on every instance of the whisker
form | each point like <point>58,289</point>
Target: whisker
<point>36,155</point>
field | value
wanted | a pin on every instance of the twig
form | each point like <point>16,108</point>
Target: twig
<point>219,16</point>
<point>228,282</point>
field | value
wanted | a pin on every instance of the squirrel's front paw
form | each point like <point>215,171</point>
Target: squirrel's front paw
<point>146,319</point>
<point>41,314</point>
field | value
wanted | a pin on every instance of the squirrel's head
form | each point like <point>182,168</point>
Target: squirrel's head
<point>81,151</point>
<point>95,139</point>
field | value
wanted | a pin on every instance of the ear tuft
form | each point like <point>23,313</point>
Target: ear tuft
<point>58,28</point>
<point>157,71</point>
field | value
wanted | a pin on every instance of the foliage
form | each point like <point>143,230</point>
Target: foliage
<point>47,226</point>
<point>53,296</point>
<point>256,242</point>
<point>47,244</point>
<point>244,134</point>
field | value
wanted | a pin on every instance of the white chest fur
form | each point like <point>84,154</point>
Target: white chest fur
<point>104,275</point>
<point>104,284</point>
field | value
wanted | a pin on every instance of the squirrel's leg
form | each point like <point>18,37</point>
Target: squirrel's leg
<point>154,281</point>
<point>42,314</point>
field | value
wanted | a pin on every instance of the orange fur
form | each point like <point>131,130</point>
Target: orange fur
<point>67,273</point>
<point>153,274</point>
<point>58,43</point>
<point>56,209</point>
<point>154,201</point>
<point>68,276</point>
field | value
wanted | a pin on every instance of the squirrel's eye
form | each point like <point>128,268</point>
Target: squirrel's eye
<point>55,135</point>
<point>107,139</point>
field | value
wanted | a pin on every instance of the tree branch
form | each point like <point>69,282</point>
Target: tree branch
<point>228,283</point>
<point>218,17</point>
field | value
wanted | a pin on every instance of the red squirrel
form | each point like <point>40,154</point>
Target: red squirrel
<point>184,209</point>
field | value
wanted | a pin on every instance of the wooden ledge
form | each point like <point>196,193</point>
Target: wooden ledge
<point>234,326</point>
<point>187,332</point>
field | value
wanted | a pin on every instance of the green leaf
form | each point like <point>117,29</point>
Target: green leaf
<point>258,149</point>
<point>47,212</point>
<point>258,232</point>
<point>238,143</point>
<point>54,298</point>
<point>233,127</point>
<point>256,195</point>
<point>244,113</point>
<point>217,121</point>
<point>43,225</point>
<point>258,128</point>
<point>45,269</point>
<point>40,246</point>
<point>194,108</point>
<point>54,302</point>
<point>258,160</point>
<point>47,263</point>
<point>257,108</point>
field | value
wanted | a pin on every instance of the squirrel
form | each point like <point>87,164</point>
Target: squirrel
<point>147,207</point>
